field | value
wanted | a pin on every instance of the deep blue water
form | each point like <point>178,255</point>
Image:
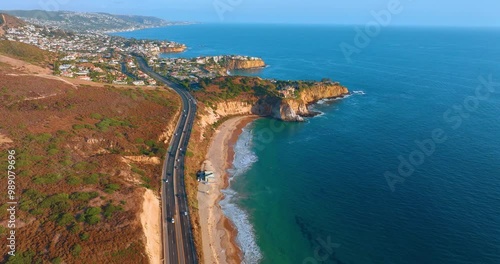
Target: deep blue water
<point>303,185</point>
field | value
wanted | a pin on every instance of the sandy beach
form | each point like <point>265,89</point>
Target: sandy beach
<point>218,233</point>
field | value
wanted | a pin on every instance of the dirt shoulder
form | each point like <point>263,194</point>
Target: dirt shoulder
<point>151,224</point>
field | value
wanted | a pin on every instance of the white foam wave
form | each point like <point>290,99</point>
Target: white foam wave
<point>244,158</point>
<point>246,235</point>
<point>359,92</point>
<point>320,102</point>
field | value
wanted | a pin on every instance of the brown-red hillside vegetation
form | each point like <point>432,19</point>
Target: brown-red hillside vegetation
<point>79,199</point>
<point>8,21</point>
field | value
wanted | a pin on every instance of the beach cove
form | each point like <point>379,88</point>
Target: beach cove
<point>219,238</point>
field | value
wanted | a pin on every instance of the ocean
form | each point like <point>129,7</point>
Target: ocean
<point>404,170</point>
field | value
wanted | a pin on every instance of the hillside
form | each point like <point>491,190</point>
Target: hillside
<point>88,22</point>
<point>8,21</point>
<point>84,158</point>
<point>26,53</point>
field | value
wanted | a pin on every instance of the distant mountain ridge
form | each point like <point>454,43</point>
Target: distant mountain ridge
<point>89,22</point>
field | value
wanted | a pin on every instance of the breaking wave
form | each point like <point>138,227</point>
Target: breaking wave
<point>244,158</point>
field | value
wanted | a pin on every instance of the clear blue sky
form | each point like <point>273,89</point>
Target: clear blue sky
<point>415,12</point>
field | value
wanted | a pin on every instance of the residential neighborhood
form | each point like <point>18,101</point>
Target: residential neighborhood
<point>100,57</point>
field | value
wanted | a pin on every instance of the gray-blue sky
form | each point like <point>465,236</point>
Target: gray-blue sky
<point>415,12</point>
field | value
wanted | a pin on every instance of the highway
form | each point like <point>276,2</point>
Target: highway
<point>178,242</point>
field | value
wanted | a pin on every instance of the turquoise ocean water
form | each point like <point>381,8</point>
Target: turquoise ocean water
<point>315,192</point>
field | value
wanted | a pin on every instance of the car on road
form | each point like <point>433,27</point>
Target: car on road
<point>172,220</point>
<point>165,180</point>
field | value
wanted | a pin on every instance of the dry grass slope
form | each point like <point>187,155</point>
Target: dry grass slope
<point>9,21</point>
<point>79,201</point>
<point>26,53</point>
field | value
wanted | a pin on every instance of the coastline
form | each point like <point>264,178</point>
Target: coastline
<point>117,31</point>
<point>219,234</point>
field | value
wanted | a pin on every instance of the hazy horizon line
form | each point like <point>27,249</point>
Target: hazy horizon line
<point>408,25</point>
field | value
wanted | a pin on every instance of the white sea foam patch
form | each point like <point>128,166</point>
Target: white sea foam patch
<point>321,101</point>
<point>244,157</point>
<point>359,92</point>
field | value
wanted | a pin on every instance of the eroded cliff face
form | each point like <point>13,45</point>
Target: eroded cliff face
<point>286,109</point>
<point>210,115</point>
<point>296,109</point>
<point>234,64</point>
<point>176,49</point>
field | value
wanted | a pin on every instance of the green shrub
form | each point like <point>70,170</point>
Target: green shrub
<point>48,179</point>
<point>76,249</point>
<point>138,171</point>
<point>36,211</point>
<point>80,166</point>
<point>96,116</point>
<point>92,215</point>
<point>91,179</point>
<point>105,123</point>
<point>67,162</point>
<point>80,218</point>
<point>78,126</point>
<point>93,219</point>
<point>110,209</point>
<point>52,151</point>
<point>55,200</point>
<point>3,230</point>
<point>34,195</point>
<point>84,236</point>
<point>93,211</point>
<point>73,180</point>
<point>56,260</point>
<point>75,227</point>
<point>83,196</point>
<point>112,187</point>
<point>43,138</point>
<point>22,258</point>
<point>65,219</point>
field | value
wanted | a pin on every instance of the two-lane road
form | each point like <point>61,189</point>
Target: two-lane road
<point>178,242</point>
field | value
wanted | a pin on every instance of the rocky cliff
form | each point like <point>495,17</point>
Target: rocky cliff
<point>211,115</point>
<point>239,64</point>
<point>175,49</point>
<point>286,109</point>
<point>295,109</point>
